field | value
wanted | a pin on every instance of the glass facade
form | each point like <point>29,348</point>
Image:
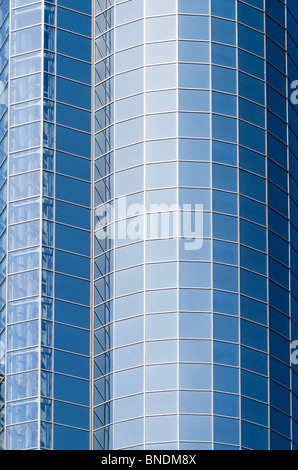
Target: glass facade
<point>46,220</point>
<point>148,224</point>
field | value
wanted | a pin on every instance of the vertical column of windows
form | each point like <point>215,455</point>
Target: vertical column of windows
<point>225,207</point>
<point>195,274</point>
<point>4,73</point>
<point>161,238</point>
<point>24,190</point>
<point>292,73</point>
<point>72,215</point>
<point>47,261</point>
<point>103,228</point>
<point>278,235</point>
<point>128,327</point>
<point>253,221</point>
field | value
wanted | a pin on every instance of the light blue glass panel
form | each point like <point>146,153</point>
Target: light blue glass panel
<point>161,150</point>
<point>194,100</point>
<point>129,83</point>
<point>195,325</point>
<point>129,181</point>
<point>22,335</point>
<point>128,107</point>
<point>24,161</point>
<point>161,377</point>
<point>161,250</point>
<point>194,125</point>
<point>161,275</point>
<point>195,402</point>
<point>161,175</point>
<point>129,132</point>
<point>25,64</point>
<point>129,356</point>
<point>156,8</point>
<point>194,274</point>
<point>22,310</point>
<point>25,136</point>
<point>24,210</point>
<point>24,186</point>
<point>129,255</point>
<point>195,298</point>
<point>161,76</point>
<point>161,351</point>
<point>45,435</point>
<point>26,359</point>
<point>129,382</point>
<point>194,7</point>
<point>160,28</point>
<point>22,436</point>
<point>21,411</point>
<point>161,326</point>
<point>129,306</point>
<point>160,53</point>
<point>193,27</point>
<point>129,35</point>
<point>195,376</point>
<point>26,40</point>
<point>161,301</point>
<point>195,351</point>
<point>161,403</point>
<point>129,281</point>
<point>129,433</point>
<point>23,285</point>
<point>129,407</point>
<point>22,385</point>
<point>129,59</point>
<point>194,76</point>
<point>198,428</point>
<point>24,112</point>
<point>26,16</point>
<point>23,235</point>
<point>128,331</point>
<point>161,428</point>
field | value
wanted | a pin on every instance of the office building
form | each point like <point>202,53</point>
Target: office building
<point>148,224</point>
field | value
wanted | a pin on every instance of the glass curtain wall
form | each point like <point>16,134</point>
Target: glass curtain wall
<point>24,229</point>
<point>47,365</point>
<point>194,331</point>
<point>192,109</point>
<point>103,216</point>
<point>225,225</point>
<point>278,214</point>
<point>292,74</point>
<point>4,54</point>
<point>188,103</point>
<point>71,354</point>
<point>136,87</point>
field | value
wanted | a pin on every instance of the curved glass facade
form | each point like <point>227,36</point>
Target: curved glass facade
<point>148,239</point>
<point>193,122</point>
